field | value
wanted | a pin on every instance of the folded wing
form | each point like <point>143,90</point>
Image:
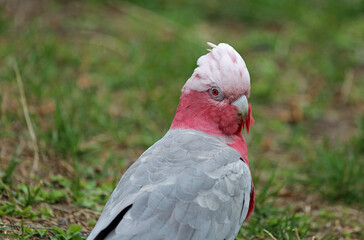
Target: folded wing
<point>188,185</point>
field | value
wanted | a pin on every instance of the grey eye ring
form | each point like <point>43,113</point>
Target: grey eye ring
<point>216,94</point>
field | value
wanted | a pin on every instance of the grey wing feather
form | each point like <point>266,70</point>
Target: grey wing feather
<point>188,185</point>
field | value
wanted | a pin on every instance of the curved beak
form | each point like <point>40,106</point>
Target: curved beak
<point>243,107</point>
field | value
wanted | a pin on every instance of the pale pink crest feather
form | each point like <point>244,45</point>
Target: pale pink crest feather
<point>222,67</point>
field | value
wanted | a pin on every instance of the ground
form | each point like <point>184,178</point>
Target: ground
<point>86,87</point>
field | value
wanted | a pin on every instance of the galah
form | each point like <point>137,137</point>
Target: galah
<point>195,182</point>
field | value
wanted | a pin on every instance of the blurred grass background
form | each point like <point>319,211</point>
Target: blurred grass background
<point>102,81</point>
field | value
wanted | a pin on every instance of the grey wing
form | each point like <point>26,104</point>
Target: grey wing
<point>198,190</point>
<point>123,195</point>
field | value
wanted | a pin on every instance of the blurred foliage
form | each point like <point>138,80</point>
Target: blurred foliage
<point>337,171</point>
<point>103,79</point>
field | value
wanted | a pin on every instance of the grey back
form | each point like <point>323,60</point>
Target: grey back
<point>188,185</point>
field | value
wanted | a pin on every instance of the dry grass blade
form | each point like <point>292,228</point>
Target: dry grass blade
<point>4,102</point>
<point>297,235</point>
<point>27,117</point>
<point>347,85</point>
<point>270,235</point>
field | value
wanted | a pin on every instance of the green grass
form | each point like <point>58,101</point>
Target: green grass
<point>336,170</point>
<point>54,233</point>
<point>102,81</point>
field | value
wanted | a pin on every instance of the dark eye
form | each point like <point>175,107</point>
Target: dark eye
<point>216,93</point>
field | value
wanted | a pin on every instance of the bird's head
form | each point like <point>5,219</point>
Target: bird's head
<point>214,98</point>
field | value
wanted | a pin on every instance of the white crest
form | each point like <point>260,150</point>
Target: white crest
<point>222,67</point>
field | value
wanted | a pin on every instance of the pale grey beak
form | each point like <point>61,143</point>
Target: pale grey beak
<point>243,107</point>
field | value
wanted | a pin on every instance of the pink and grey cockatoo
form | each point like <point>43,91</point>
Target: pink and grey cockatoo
<point>195,182</point>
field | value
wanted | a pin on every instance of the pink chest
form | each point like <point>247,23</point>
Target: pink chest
<point>239,145</point>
